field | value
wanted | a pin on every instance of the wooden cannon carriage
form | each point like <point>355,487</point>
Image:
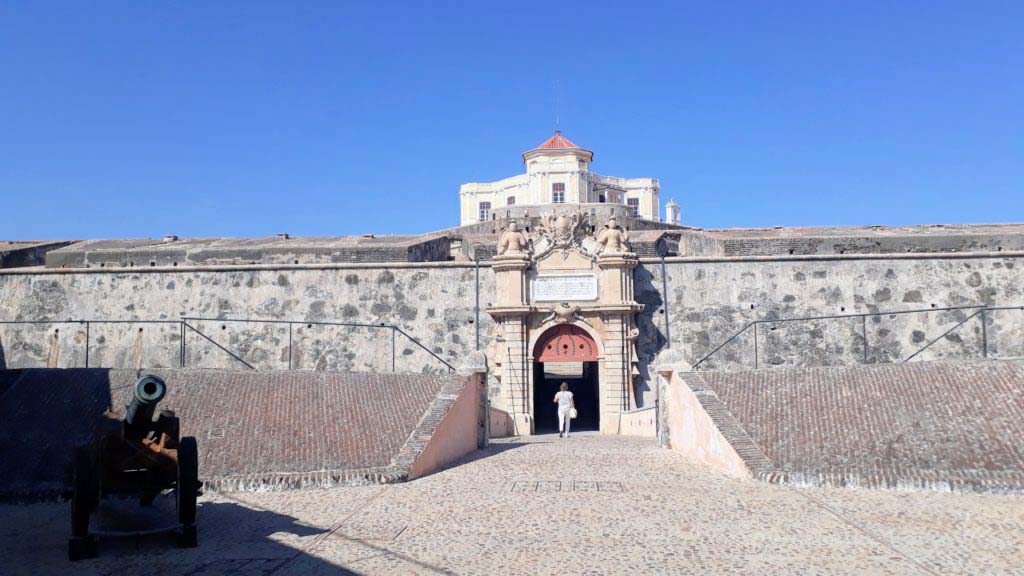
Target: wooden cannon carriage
<point>135,455</point>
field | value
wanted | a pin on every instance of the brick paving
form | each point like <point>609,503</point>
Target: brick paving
<point>255,429</point>
<point>945,425</point>
<point>662,515</point>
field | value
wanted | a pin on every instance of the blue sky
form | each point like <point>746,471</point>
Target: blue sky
<point>250,118</point>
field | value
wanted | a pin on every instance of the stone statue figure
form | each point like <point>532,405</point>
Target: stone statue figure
<point>513,241</point>
<point>612,238</point>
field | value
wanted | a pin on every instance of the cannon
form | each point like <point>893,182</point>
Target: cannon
<point>135,455</point>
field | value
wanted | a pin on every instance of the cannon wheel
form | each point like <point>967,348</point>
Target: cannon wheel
<point>84,500</point>
<point>188,487</point>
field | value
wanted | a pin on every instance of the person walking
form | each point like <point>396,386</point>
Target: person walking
<point>565,407</point>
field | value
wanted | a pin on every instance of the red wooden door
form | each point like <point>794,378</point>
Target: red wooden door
<point>565,343</point>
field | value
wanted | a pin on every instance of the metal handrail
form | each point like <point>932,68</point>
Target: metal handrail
<point>722,345</point>
<point>979,309</point>
<point>425,349</point>
<point>212,341</point>
<point>392,327</point>
<point>184,323</point>
<point>88,324</point>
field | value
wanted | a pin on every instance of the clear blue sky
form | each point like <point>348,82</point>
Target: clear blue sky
<point>248,118</point>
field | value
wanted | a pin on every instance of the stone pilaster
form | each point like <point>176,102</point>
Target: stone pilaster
<point>617,277</point>
<point>617,311</point>
<point>510,279</point>
<point>511,313</point>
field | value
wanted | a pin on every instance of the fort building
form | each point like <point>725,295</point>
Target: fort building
<point>558,172</point>
<point>587,288</point>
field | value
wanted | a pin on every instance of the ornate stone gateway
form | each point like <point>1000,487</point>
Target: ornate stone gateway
<point>564,295</point>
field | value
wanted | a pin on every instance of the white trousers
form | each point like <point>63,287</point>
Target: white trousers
<point>564,421</point>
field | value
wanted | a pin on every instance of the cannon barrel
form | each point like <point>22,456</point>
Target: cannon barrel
<point>148,391</point>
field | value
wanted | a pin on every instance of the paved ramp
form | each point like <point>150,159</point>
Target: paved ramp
<point>946,425</point>
<point>549,506</point>
<point>255,429</point>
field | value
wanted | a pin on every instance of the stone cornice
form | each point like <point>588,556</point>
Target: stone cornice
<point>240,267</point>
<point>509,310</point>
<point>831,257</point>
<point>585,308</point>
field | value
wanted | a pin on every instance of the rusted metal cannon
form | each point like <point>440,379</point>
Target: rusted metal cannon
<point>137,456</point>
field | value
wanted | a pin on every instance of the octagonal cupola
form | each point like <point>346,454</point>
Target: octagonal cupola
<point>558,154</point>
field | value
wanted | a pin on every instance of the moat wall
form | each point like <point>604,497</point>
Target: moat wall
<point>709,300</point>
<point>436,304</point>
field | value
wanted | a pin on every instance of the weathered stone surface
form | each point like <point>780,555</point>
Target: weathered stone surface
<point>17,254</point>
<point>433,304</point>
<point>854,240</point>
<point>708,302</point>
<point>174,251</point>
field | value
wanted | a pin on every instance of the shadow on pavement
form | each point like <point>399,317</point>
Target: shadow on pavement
<point>233,539</point>
<point>493,449</point>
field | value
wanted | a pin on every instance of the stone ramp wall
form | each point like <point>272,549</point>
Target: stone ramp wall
<point>947,425</point>
<point>256,430</point>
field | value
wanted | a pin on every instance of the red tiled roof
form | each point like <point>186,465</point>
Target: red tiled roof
<point>557,142</point>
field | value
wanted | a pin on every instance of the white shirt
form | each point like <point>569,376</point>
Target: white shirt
<point>564,399</point>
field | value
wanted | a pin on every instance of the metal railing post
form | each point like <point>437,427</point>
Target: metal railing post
<point>864,336</point>
<point>984,334</point>
<point>86,343</point>
<point>289,345</point>
<point>476,263</point>
<point>182,359</point>
<point>664,302</point>
<point>755,346</point>
<point>393,333</point>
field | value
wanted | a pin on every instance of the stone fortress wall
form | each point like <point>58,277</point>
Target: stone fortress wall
<point>781,241</point>
<point>434,303</point>
<point>709,298</point>
<point>26,252</point>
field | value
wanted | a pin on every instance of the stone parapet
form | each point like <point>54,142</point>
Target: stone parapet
<point>281,249</point>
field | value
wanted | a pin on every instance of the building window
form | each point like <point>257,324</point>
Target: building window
<point>510,201</point>
<point>601,199</point>
<point>558,193</point>
<point>634,206</point>
<point>485,209</point>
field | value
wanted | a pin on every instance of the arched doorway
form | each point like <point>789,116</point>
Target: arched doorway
<point>565,353</point>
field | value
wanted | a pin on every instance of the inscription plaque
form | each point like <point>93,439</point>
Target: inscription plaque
<point>564,288</point>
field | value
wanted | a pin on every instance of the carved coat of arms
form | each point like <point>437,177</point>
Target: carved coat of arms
<point>563,232</point>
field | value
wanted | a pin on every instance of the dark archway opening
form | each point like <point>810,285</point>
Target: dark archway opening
<point>582,378</point>
<point>565,353</point>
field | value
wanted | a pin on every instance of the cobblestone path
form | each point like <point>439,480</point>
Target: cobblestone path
<point>543,505</point>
